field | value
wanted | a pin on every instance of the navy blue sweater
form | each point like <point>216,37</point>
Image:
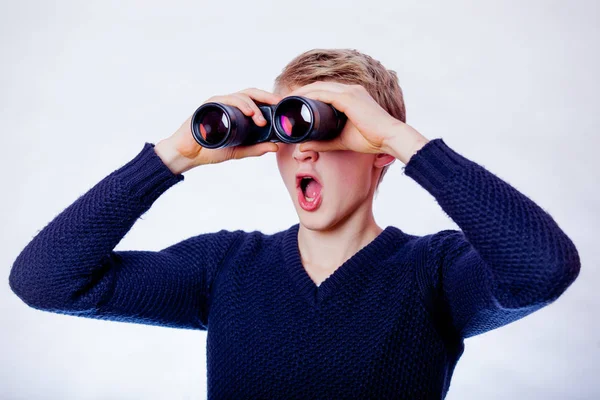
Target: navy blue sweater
<point>388,323</point>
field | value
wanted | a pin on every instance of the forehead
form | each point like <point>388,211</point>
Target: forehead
<point>285,90</point>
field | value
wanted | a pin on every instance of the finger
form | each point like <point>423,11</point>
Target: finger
<point>254,150</point>
<point>322,145</point>
<point>257,115</point>
<point>235,101</point>
<point>262,95</point>
<point>338,100</point>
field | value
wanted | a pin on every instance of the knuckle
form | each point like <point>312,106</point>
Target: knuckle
<point>242,102</point>
<point>245,97</point>
<point>213,99</point>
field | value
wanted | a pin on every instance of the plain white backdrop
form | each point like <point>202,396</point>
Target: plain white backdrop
<point>512,85</point>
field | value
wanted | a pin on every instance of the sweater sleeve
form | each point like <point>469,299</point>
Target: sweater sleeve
<point>509,259</point>
<point>70,266</point>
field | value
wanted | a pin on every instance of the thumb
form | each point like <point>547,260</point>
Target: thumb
<point>322,145</point>
<point>254,150</point>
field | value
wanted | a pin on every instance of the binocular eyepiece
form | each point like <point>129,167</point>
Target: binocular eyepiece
<point>294,119</point>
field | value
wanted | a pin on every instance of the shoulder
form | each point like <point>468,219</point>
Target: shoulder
<point>260,237</point>
<point>250,240</point>
<point>445,244</point>
<point>434,251</point>
<point>431,248</point>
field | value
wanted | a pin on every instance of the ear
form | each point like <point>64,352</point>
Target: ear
<point>382,159</point>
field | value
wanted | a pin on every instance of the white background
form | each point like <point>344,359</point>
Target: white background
<point>512,85</point>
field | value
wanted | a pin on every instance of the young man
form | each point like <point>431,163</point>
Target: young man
<point>334,306</point>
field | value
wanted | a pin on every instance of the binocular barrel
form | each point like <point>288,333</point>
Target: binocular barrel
<point>294,119</point>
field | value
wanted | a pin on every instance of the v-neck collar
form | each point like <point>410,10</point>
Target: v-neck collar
<point>371,254</point>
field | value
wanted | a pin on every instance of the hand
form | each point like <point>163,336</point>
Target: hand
<point>368,125</point>
<point>369,129</point>
<point>183,151</point>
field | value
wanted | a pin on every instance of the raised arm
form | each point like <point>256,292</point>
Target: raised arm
<point>70,266</point>
<point>509,259</point>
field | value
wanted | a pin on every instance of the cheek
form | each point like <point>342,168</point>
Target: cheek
<point>285,150</point>
<point>284,164</point>
<point>285,154</point>
<point>352,175</point>
<point>351,186</point>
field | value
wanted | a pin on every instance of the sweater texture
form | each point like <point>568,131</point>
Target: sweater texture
<point>390,322</point>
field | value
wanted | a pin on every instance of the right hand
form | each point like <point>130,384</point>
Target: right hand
<point>184,153</point>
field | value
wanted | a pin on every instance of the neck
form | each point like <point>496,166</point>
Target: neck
<point>327,249</point>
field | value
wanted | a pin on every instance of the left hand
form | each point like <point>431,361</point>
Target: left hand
<point>369,126</point>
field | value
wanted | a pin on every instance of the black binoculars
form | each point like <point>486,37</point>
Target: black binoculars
<point>294,119</point>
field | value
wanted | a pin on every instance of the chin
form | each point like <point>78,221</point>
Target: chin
<point>313,223</point>
<point>317,221</point>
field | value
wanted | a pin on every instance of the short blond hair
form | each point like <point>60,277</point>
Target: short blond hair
<point>347,66</point>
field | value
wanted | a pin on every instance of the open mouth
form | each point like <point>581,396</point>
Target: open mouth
<point>309,193</point>
<point>304,183</point>
<point>310,188</point>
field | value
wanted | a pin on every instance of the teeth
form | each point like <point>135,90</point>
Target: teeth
<point>309,199</point>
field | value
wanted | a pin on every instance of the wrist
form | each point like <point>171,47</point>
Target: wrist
<point>172,158</point>
<point>403,142</point>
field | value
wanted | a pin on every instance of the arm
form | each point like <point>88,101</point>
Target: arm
<point>510,257</point>
<point>70,267</point>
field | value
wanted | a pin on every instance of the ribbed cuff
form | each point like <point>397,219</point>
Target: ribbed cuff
<point>147,175</point>
<point>434,164</point>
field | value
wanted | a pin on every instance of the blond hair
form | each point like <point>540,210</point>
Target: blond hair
<point>347,66</point>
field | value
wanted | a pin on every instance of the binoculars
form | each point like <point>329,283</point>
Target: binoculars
<point>294,119</point>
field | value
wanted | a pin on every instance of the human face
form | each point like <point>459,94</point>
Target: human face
<point>346,179</point>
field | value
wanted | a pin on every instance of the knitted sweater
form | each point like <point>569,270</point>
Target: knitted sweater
<point>388,323</point>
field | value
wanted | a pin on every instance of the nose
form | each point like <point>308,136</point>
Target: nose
<point>304,155</point>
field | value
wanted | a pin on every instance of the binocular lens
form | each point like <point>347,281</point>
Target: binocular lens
<point>295,118</point>
<point>213,125</point>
